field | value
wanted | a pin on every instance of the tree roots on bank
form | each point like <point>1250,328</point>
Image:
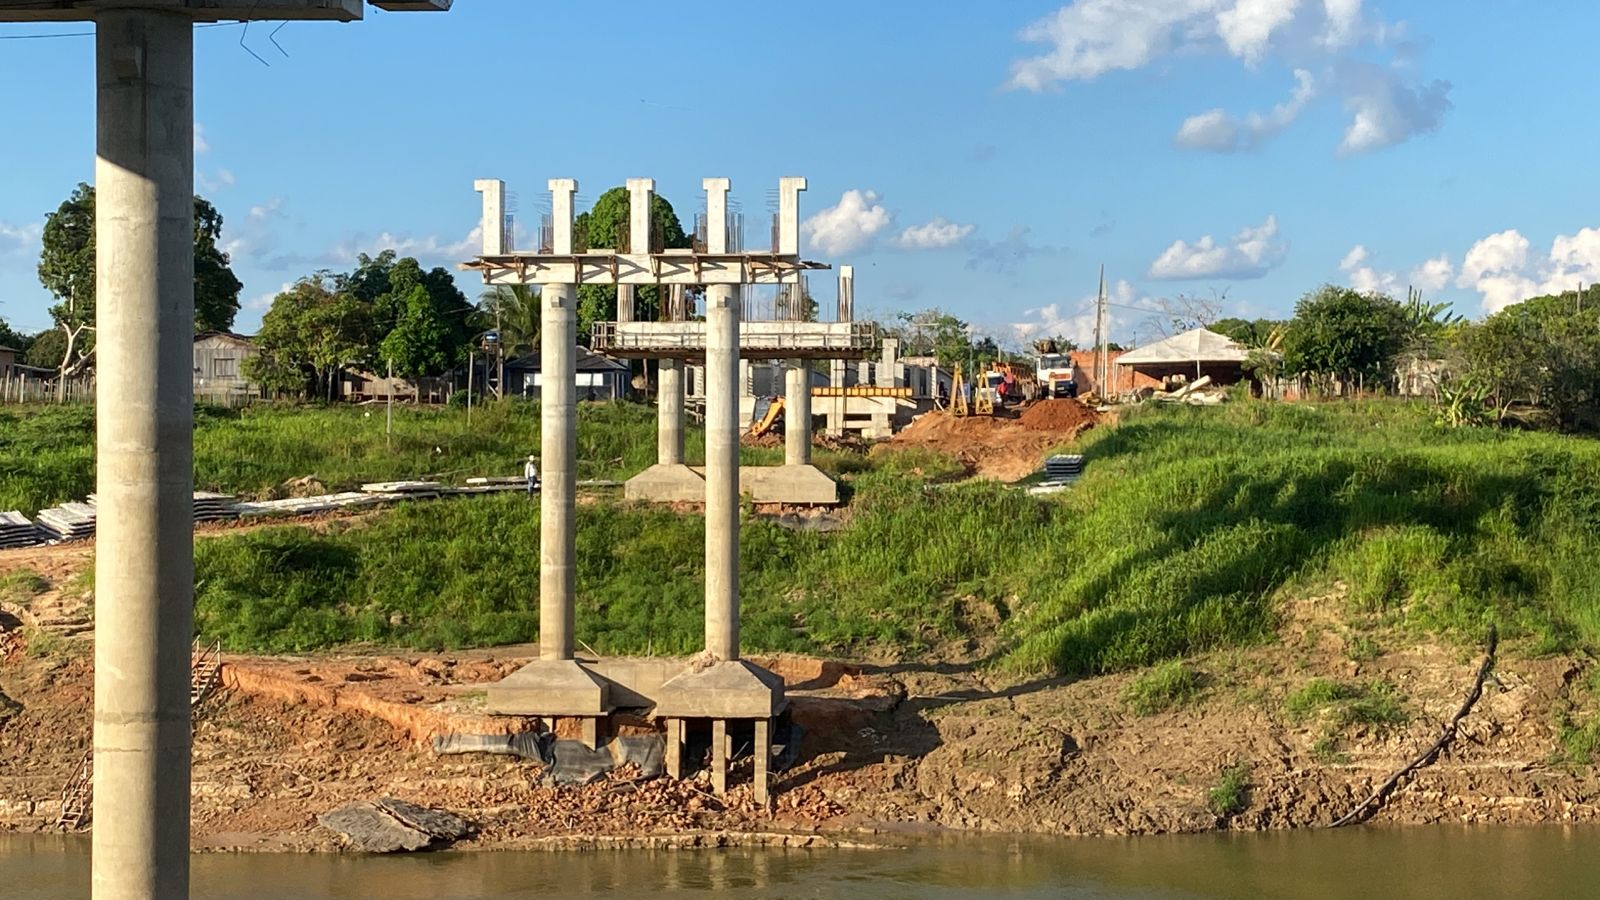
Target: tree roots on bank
<point>1374,800</point>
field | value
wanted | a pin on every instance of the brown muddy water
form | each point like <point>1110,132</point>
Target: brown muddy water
<point>1436,862</point>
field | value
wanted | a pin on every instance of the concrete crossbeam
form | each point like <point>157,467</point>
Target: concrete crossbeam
<point>197,10</point>
<point>678,266</point>
<point>757,340</point>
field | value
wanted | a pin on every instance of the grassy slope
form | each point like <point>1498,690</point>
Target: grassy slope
<point>1188,528</point>
<point>47,452</point>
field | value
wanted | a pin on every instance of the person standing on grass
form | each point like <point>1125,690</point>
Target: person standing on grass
<point>530,471</point>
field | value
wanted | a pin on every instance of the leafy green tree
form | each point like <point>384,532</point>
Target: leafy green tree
<point>436,330</point>
<point>47,349</point>
<point>418,344</point>
<point>312,329</point>
<point>66,269</point>
<point>1341,334</point>
<point>16,340</point>
<point>936,333</point>
<point>606,226</point>
<point>1543,352</point>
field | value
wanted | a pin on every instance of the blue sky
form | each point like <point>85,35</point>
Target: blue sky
<point>981,158</point>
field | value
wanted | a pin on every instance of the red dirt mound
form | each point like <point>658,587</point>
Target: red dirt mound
<point>1057,415</point>
<point>1003,449</point>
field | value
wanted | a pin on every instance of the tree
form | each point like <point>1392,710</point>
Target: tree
<point>16,340</point>
<point>1544,351</point>
<point>781,307</point>
<point>933,332</point>
<point>66,269</point>
<point>605,225</point>
<point>1343,334</point>
<point>435,322</point>
<point>47,349</point>
<point>313,330</point>
<point>512,310</point>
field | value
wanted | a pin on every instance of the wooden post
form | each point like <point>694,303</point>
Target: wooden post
<point>388,425</point>
<point>719,756</point>
<point>470,366</point>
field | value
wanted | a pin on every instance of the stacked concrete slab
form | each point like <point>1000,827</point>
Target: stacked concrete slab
<point>16,530</point>
<point>68,522</point>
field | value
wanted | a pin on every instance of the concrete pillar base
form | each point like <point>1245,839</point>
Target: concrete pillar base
<point>791,485</point>
<point>551,687</point>
<point>674,754</point>
<point>726,689</point>
<point>670,483</point>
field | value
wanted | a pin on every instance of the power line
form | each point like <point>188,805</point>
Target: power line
<point>73,34</point>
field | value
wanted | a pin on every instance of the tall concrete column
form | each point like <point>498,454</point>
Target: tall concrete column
<point>722,472</point>
<point>558,480</point>
<point>144,562</point>
<point>797,414</point>
<point>669,413</point>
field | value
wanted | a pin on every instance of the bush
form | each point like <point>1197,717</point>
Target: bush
<point>1230,795</point>
<point>1168,685</point>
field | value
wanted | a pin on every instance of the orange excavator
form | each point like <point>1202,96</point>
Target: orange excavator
<point>768,419</point>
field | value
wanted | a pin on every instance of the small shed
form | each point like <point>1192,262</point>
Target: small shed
<point>599,377</point>
<point>1190,355</point>
<point>219,364</point>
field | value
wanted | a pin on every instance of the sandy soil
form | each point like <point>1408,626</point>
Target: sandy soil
<point>908,745</point>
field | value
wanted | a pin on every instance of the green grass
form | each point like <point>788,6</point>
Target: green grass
<point>47,452</point>
<point>1376,703</point>
<point>20,585</point>
<point>1230,794</point>
<point>1168,685</point>
<point>1187,530</point>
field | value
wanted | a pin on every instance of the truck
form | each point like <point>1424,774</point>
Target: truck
<point>1055,372</point>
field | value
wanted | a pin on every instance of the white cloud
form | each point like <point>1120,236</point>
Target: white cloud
<point>1498,267</point>
<point>849,225</point>
<point>426,248</point>
<point>1219,131</point>
<point>1385,111</point>
<point>1075,320</point>
<point>934,235</point>
<point>263,302</point>
<point>1432,275</point>
<point>1343,19</point>
<point>20,237</point>
<point>200,143</point>
<point>1092,37</point>
<point>1250,254</point>
<point>223,178</point>
<point>1359,58</point>
<point>1247,28</point>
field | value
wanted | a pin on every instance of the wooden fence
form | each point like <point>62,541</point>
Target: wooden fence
<point>23,387</point>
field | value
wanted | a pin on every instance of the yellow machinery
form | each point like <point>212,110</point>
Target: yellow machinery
<point>958,392</point>
<point>772,417</point>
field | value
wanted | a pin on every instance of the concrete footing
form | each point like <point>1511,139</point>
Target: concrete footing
<point>792,485</point>
<point>550,687</point>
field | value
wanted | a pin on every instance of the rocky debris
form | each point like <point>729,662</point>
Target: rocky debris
<point>390,826</point>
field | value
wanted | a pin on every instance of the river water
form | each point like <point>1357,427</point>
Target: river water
<point>1442,862</point>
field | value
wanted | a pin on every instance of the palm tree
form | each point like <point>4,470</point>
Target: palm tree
<point>512,312</point>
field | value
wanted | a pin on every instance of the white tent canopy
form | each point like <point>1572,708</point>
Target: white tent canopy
<point>1197,346</point>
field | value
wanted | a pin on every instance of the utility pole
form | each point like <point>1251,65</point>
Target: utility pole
<point>1100,367</point>
<point>144,277</point>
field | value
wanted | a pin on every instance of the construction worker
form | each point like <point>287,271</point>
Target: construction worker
<point>530,471</point>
